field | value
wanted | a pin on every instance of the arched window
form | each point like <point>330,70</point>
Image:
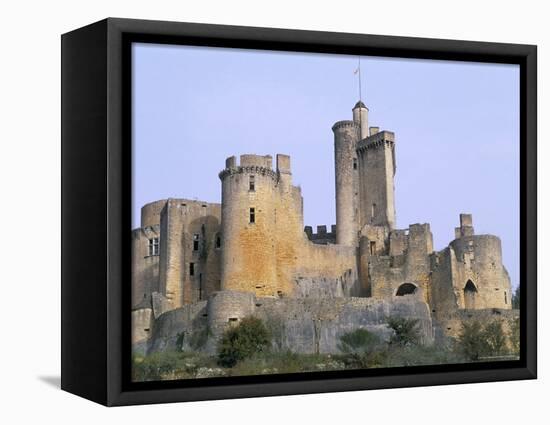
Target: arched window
<point>406,289</point>
<point>470,293</point>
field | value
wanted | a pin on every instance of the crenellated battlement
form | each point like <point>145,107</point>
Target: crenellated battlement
<point>322,237</point>
<point>256,164</point>
<point>375,140</point>
<point>345,123</point>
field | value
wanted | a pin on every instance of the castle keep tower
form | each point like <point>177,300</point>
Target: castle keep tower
<point>376,156</point>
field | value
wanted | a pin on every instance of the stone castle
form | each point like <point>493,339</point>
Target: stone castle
<point>201,266</point>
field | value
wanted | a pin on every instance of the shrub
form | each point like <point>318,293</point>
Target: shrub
<point>515,299</point>
<point>156,366</point>
<point>514,336</point>
<point>362,349</point>
<point>406,332</point>
<point>476,341</point>
<point>494,338</point>
<point>249,338</point>
<point>471,340</point>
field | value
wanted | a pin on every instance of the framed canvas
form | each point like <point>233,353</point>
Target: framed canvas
<point>252,212</point>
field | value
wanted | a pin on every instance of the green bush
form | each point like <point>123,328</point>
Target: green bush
<point>495,338</point>
<point>514,336</point>
<point>249,338</point>
<point>362,349</point>
<point>516,299</point>
<point>406,332</point>
<point>157,366</point>
<point>471,340</point>
<point>476,341</point>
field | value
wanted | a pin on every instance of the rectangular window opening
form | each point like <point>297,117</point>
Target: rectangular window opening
<point>153,247</point>
<point>355,163</point>
<point>251,184</point>
<point>191,269</point>
<point>252,215</point>
<point>196,240</point>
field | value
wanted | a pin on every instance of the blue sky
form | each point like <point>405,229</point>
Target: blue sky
<point>456,126</point>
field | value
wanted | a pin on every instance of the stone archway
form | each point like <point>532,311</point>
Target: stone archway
<point>470,295</point>
<point>406,289</point>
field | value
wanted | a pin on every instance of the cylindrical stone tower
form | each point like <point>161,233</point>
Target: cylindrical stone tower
<point>248,260</point>
<point>361,117</point>
<point>346,135</point>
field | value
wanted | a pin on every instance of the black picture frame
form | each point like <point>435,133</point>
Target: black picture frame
<point>96,179</point>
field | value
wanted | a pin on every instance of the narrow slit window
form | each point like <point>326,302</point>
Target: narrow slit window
<point>191,269</point>
<point>252,217</point>
<point>372,246</point>
<point>505,298</point>
<point>251,184</point>
<point>218,241</point>
<point>196,240</point>
<point>355,163</point>
<point>373,211</point>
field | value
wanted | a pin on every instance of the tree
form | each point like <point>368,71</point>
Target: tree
<point>494,338</point>
<point>250,337</point>
<point>406,332</point>
<point>515,299</point>
<point>471,340</point>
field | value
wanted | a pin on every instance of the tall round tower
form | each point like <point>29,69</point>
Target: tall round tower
<point>346,134</point>
<point>248,260</point>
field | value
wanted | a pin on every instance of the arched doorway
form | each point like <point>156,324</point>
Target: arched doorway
<point>470,294</point>
<point>406,289</point>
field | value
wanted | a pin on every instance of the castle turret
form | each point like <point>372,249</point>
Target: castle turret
<point>376,155</point>
<point>361,117</point>
<point>248,221</point>
<point>346,135</point>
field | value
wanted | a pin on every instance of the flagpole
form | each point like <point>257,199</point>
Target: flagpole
<point>359,68</point>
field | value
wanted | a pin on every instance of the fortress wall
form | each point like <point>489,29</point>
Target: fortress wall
<point>444,298</point>
<point>142,321</point>
<point>150,213</point>
<point>229,307</point>
<point>173,330</point>
<point>479,259</point>
<point>418,264</point>
<point>326,271</point>
<point>303,325</point>
<point>411,265</point>
<point>145,268</point>
<point>451,324</point>
<point>181,220</point>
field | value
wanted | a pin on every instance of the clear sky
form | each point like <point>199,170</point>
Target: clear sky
<point>456,126</point>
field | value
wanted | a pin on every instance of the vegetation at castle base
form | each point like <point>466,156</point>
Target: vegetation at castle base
<point>248,339</point>
<point>515,299</point>
<point>406,332</point>
<point>478,341</point>
<point>362,349</point>
<point>247,349</point>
